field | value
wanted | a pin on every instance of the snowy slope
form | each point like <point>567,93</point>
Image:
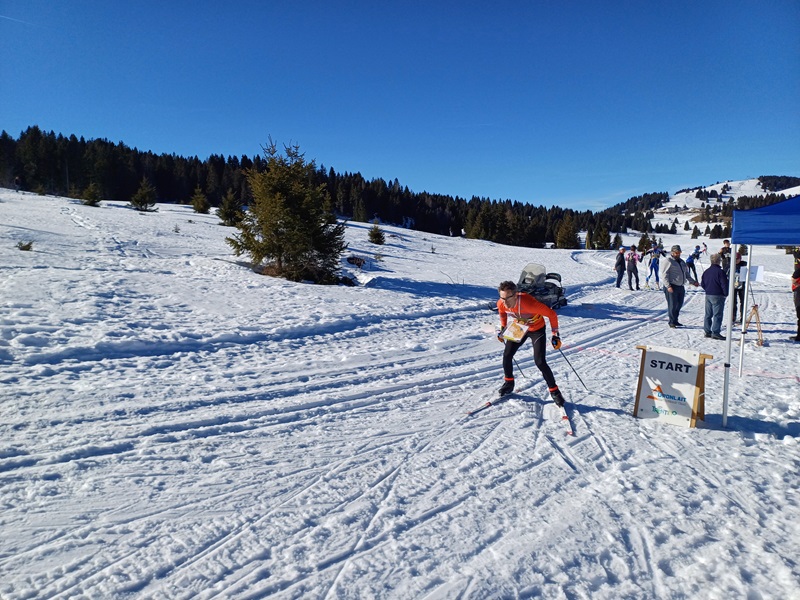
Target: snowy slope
<point>175,426</point>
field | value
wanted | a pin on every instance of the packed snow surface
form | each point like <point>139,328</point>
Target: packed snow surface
<point>176,426</point>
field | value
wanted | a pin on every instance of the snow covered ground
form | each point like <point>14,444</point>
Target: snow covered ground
<point>175,426</point>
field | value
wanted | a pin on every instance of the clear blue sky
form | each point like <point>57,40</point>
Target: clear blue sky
<point>577,103</point>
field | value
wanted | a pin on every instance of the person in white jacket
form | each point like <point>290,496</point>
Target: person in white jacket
<point>674,277</point>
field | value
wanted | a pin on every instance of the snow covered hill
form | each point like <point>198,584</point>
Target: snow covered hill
<point>175,426</point>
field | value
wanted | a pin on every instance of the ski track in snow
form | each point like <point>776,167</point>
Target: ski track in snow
<point>175,426</point>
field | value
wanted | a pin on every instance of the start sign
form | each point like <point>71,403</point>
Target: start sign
<point>671,386</point>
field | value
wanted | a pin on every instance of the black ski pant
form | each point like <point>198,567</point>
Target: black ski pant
<point>738,303</point>
<point>538,342</point>
<point>634,273</point>
<point>693,269</point>
<point>620,275</point>
<point>797,309</point>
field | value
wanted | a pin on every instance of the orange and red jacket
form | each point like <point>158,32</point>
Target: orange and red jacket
<point>528,310</point>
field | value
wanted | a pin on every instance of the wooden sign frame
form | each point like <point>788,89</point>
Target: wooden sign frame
<point>697,405</point>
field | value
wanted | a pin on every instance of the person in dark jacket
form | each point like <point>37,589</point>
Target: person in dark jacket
<point>619,266</point>
<point>725,254</point>
<point>738,290</point>
<point>715,284</point>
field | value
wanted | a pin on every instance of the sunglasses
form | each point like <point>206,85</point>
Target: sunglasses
<point>509,297</point>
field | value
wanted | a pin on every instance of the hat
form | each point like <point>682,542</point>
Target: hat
<point>622,247</point>
<point>676,248</point>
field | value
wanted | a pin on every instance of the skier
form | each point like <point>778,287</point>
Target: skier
<point>715,284</point>
<point>631,258</point>
<point>674,274</point>
<point>528,324</point>
<point>796,291</point>
<point>619,266</point>
<point>690,260</point>
<point>656,253</point>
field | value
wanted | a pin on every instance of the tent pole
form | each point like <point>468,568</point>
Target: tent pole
<point>728,341</point>
<point>744,307</point>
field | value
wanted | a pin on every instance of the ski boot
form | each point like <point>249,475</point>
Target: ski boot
<point>506,388</point>
<point>557,397</point>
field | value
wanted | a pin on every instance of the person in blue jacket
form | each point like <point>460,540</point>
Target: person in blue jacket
<point>695,255</point>
<point>715,284</point>
<point>656,253</point>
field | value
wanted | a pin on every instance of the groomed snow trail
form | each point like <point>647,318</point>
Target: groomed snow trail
<point>175,426</point>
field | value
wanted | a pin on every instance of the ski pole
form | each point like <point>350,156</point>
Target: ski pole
<point>573,369</point>
<point>519,368</point>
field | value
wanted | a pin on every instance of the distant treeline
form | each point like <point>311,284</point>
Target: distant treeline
<point>47,163</point>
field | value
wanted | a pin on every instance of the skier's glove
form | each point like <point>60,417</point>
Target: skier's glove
<point>556,341</point>
<point>500,337</point>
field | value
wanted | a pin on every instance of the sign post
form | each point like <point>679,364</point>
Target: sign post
<point>671,386</point>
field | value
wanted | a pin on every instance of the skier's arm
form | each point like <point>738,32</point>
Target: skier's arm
<point>501,310</point>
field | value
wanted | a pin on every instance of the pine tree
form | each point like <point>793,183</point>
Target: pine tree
<point>145,197</point>
<point>644,244</point>
<point>199,201</point>
<point>617,241</point>
<point>91,195</point>
<point>290,224</point>
<point>601,239</point>
<point>567,236</point>
<point>376,235</point>
<point>230,211</point>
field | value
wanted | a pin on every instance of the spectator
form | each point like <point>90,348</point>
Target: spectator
<point>725,255</point>
<point>715,284</point>
<point>738,290</point>
<point>674,275</point>
<point>619,266</point>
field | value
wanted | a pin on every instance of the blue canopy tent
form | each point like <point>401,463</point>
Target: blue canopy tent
<point>778,224</point>
<point>775,225</point>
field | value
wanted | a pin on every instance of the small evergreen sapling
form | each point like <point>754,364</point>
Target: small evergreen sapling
<point>199,202</point>
<point>145,197</point>
<point>376,235</point>
<point>91,195</point>
<point>230,211</point>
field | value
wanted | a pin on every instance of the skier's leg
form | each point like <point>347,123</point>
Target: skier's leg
<point>539,351</point>
<point>508,358</point>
